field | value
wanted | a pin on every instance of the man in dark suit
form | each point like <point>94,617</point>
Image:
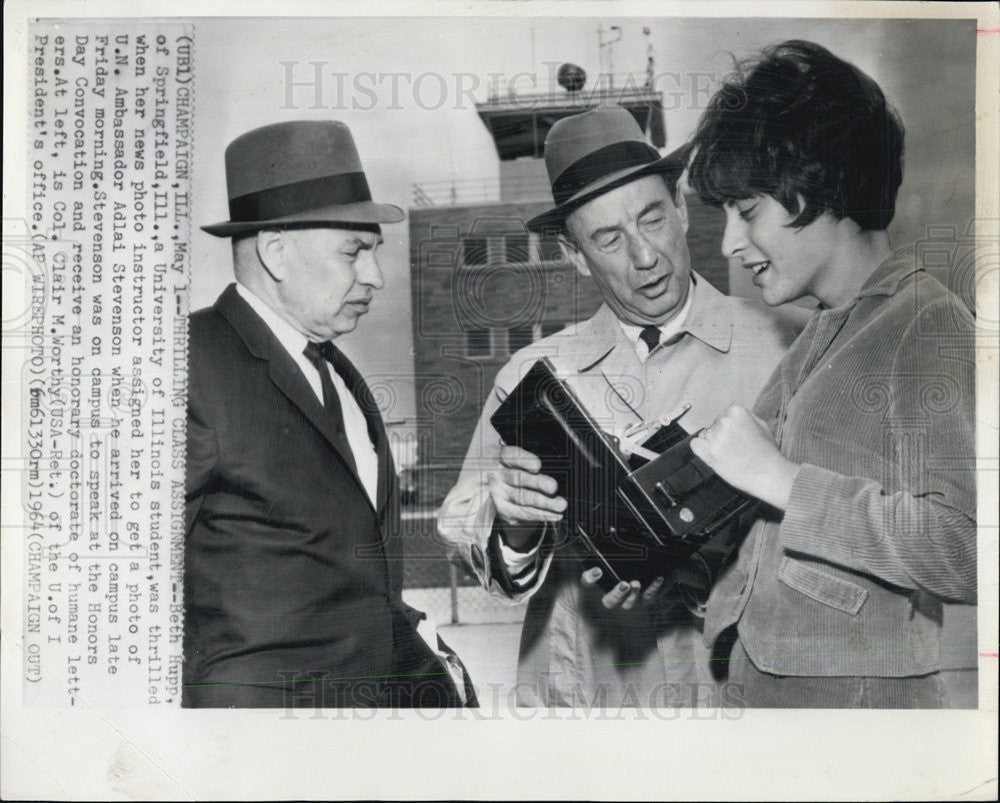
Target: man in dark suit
<point>293,570</point>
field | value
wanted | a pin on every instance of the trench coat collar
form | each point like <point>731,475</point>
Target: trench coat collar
<point>710,319</point>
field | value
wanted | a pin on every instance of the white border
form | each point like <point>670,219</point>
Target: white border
<point>55,754</point>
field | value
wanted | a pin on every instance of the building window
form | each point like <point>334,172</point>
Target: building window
<point>516,248</point>
<point>519,337</point>
<point>551,327</point>
<point>477,343</point>
<point>549,250</point>
<point>475,251</point>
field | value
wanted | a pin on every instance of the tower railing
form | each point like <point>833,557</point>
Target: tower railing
<point>620,88</point>
<point>453,192</point>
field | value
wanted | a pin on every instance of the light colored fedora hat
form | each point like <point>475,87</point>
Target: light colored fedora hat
<point>297,173</point>
<point>594,152</point>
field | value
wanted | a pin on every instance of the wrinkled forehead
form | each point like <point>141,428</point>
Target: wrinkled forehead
<point>620,205</point>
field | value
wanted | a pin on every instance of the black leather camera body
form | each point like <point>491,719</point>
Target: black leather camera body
<point>636,518</point>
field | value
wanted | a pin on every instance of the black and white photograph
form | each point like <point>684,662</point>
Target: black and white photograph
<point>500,401</point>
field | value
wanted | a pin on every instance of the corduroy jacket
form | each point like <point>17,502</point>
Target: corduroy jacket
<point>876,400</point>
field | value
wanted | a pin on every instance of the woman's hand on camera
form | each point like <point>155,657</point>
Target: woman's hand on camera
<point>740,449</point>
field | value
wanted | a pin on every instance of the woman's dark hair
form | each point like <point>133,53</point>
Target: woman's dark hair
<point>800,121</point>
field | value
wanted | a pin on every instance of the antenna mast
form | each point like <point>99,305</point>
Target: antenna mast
<point>609,46</point>
<point>650,65</point>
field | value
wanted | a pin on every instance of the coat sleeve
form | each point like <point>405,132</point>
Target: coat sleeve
<point>920,531</point>
<point>467,516</point>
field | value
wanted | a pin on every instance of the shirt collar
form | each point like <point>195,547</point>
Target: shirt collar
<point>290,338</point>
<point>673,327</point>
<point>709,318</point>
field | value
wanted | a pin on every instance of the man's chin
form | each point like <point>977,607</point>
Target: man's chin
<point>347,321</point>
<point>658,315</point>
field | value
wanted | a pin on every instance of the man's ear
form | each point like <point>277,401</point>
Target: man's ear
<point>682,207</point>
<point>271,252</point>
<point>573,253</point>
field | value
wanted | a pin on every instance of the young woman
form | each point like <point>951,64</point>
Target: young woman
<point>862,443</point>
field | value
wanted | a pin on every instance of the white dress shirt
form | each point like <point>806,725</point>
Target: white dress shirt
<point>355,425</point>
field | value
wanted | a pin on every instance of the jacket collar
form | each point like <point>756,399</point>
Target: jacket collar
<point>254,333</point>
<point>895,269</point>
<point>286,376</point>
<point>710,319</point>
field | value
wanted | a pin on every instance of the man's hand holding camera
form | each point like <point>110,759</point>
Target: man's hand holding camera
<point>525,499</point>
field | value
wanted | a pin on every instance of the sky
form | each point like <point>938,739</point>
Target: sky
<point>407,87</point>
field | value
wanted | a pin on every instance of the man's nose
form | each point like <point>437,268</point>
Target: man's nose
<point>370,273</point>
<point>734,237</point>
<point>643,254</point>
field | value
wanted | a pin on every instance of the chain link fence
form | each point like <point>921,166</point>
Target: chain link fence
<point>446,591</point>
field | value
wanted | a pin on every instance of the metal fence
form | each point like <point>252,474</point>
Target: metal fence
<point>446,591</point>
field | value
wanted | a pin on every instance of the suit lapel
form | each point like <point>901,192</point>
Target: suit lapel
<point>284,373</point>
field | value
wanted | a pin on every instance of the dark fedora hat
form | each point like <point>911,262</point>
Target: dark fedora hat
<point>299,173</point>
<point>594,152</point>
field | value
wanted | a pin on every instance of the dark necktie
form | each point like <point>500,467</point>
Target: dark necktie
<point>650,335</point>
<point>319,354</point>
